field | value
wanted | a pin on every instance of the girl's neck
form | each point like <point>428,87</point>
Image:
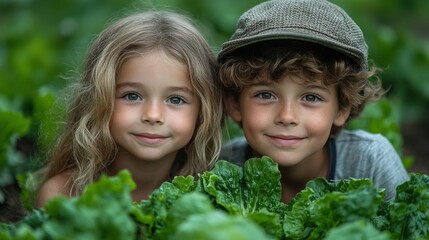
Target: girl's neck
<point>145,188</point>
<point>147,175</point>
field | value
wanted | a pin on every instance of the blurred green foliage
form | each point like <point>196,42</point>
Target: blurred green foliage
<point>397,35</point>
<point>14,124</point>
<point>43,43</point>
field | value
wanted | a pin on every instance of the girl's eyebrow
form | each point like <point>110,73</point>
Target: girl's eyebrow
<point>139,85</point>
<point>128,84</point>
<point>181,89</point>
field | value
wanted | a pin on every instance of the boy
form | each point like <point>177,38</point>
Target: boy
<point>294,72</point>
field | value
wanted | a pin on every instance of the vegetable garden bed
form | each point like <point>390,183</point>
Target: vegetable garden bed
<point>230,202</point>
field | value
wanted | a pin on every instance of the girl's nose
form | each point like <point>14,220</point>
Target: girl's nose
<point>153,113</point>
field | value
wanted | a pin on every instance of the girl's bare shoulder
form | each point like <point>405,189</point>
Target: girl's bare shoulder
<point>56,185</point>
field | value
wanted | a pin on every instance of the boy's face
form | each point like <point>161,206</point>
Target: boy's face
<point>287,121</point>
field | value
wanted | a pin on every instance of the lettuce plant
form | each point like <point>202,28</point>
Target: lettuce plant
<point>230,202</point>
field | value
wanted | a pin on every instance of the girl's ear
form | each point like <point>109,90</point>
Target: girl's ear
<point>342,116</point>
<point>233,107</point>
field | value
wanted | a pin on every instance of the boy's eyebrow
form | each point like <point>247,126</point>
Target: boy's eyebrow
<point>261,84</point>
<point>318,86</point>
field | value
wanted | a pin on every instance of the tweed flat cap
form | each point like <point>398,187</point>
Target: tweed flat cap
<point>316,21</point>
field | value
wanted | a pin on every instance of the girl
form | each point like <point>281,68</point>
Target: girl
<point>147,101</point>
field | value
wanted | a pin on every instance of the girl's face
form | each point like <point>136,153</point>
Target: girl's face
<point>156,109</point>
<point>288,121</point>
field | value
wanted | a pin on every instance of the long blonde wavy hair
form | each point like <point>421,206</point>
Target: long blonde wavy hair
<point>85,147</point>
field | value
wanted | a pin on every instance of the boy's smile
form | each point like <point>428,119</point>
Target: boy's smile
<point>285,141</point>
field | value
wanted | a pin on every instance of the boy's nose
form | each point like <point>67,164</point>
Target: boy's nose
<point>287,114</point>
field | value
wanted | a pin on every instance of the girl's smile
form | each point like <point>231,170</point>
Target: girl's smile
<point>150,138</point>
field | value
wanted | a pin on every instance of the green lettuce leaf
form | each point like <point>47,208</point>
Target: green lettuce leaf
<point>408,213</point>
<point>325,205</point>
<point>253,191</point>
<point>101,212</point>
<point>356,230</point>
<point>218,225</point>
<point>153,213</point>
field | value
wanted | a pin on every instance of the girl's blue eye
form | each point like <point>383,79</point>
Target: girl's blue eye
<point>176,100</point>
<point>131,97</point>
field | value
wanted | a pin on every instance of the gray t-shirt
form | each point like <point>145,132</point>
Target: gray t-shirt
<point>356,154</point>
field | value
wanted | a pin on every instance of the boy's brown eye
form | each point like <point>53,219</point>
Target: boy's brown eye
<point>311,98</point>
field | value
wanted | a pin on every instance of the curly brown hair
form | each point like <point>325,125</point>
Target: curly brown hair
<point>271,60</point>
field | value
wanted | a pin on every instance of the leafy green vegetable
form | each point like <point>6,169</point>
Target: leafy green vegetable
<point>217,225</point>
<point>357,230</point>
<point>324,205</point>
<point>102,212</point>
<point>230,202</point>
<point>193,216</point>
<point>253,191</point>
<point>408,214</point>
<point>154,212</point>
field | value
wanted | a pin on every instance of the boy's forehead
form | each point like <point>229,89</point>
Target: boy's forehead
<point>297,78</point>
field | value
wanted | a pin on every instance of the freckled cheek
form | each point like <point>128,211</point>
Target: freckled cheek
<point>319,124</point>
<point>254,119</point>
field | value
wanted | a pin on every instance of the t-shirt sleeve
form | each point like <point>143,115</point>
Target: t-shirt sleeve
<point>389,169</point>
<point>364,155</point>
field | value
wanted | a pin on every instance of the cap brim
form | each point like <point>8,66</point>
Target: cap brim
<point>293,34</point>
